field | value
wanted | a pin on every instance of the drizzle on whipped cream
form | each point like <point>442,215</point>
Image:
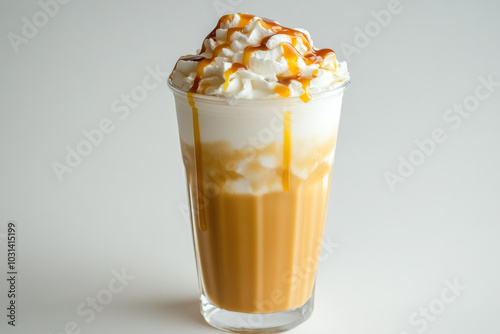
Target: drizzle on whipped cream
<point>247,57</point>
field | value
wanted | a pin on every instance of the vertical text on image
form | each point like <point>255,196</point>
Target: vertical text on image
<point>12,272</point>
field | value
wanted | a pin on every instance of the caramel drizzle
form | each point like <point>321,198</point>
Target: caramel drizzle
<point>292,56</point>
<point>287,150</point>
<point>235,67</point>
<point>198,164</point>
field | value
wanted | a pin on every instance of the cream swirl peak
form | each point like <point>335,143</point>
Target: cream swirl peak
<point>248,57</point>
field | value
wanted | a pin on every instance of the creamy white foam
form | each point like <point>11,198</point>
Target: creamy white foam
<point>256,125</point>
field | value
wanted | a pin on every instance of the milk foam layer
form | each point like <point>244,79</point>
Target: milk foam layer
<point>250,143</point>
<point>247,57</point>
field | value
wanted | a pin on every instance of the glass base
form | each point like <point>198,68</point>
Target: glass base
<point>236,322</point>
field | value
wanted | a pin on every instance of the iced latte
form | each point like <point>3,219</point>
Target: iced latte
<point>258,110</point>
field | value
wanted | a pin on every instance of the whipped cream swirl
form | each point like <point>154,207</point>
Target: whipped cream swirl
<point>247,57</point>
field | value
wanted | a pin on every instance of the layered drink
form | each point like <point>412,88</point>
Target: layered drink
<point>258,110</point>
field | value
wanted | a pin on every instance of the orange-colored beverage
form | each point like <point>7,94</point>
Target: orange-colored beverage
<point>259,252</point>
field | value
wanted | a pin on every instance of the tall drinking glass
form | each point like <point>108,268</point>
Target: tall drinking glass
<point>258,176</point>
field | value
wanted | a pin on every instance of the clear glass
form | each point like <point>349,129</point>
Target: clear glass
<point>258,176</point>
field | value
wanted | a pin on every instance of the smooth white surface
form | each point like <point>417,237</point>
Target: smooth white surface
<point>124,205</point>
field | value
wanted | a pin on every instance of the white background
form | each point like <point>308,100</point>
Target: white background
<point>122,206</point>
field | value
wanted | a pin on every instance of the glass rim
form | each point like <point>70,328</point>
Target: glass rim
<point>294,99</point>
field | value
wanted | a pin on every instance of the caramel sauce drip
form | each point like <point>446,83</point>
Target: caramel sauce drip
<point>282,90</point>
<point>244,20</point>
<point>305,83</point>
<point>287,150</point>
<point>249,50</point>
<point>230,72</point>
<point>198,163</point>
